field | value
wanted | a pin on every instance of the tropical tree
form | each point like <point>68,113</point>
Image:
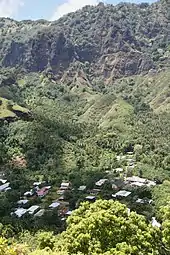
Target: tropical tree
<point>108,227</point>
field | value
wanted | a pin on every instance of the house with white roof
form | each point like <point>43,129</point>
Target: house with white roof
<point>33,209</point>
<point>40,213</point>
<point>29,193</point>
<point>54,205</point>
<point>3,181</point>
<point>4,186</point>
<point>122,194</point>
<point>65,185</point>
<point>138,181</point>
<point>82,188</point>
<point>20,212</point>
<point>91,198</point>
<point>101,182</point>
<point>22,202</point>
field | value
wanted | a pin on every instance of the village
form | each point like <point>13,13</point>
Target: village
<point>34,202</point>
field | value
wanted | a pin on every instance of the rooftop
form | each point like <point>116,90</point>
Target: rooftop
<point>122,193</point>
<point>24,201</point>
<point>4,186</point>
<point>101,182</point>
<point>32,209</point>
<point>82,188</point>
<point>20,212</point>
<point>90,197</point>
<point>54,205</point>
<point>40,213</point>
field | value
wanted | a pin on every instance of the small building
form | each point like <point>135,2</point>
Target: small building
<point>4,186</point>
<point>54,205</point>
<point>65,185</point>
<point>38,183</point>
<point>138,181</point>
<point>20,212</point>
<point>40,213</point>
<point>101,182</point>
<point>29,193</point>
<point>3,181</point>
<point>22,202</point>
<point>33,209</point>
<point>91,198</point>
<point>82,188</point>
<point>144,201</point>
<point>122,194</point>
<point>43,192</point>
<point>7,189</point>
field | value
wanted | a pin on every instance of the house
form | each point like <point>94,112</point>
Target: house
<point>144,201</point>
<point>40,213</point>
<point>3,181</point>
<point>101,182</point>
<point>82,188</point>
<point>22,202</point>
<point>29,193</point>
<point>138,181</point>
<point>9,188</point>
<point>155,223</point>
<point>37,183</point>
<point>91,198</point>
<point>43,192</point>
<point>20,212</point>
<point>4,186</point>
<point>54,205</point>
<point>33,209</point>
<point>65,185</point>
<point>122,194</point>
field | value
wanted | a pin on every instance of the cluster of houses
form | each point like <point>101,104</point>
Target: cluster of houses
<point>119,187</point>
<point>40,189</point>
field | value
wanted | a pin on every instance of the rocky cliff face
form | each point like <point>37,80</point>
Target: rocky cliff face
<point>105,42</point>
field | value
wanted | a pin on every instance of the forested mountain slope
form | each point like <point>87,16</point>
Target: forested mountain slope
<point>76,95</point>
